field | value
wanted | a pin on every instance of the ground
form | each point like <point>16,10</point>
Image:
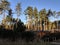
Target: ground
<point>22,42</point>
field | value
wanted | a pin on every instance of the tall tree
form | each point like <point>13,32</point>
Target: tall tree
<point>35,13</point>
<point>5,5</point>
<point>57,15</point>
<point>18,9</point>
<point>42,15</point>
<point>50,13</point>
<point>29,13</point>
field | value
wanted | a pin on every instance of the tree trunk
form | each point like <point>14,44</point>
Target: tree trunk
<point>57,26</point>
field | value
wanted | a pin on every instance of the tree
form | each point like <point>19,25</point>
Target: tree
<point>58,14</point>
<point>10,12</point>
<point>4,6</point>
<point>8,18</point>
<point>55,15</point>
<point>43,16</point>
<point>29,13</point>
<point>35,14</point>
<point>20,26</point>
<point>50,13</point>
<point>18,9</point>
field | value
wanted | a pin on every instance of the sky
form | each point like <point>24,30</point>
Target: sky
<point>54,5</point>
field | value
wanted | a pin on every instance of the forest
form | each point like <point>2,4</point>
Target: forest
<point>13,29</point>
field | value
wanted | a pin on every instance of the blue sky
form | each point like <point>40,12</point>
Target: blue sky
<point>54,5</point>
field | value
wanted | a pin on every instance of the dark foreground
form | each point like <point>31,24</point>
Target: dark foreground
<point>22,42</point>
